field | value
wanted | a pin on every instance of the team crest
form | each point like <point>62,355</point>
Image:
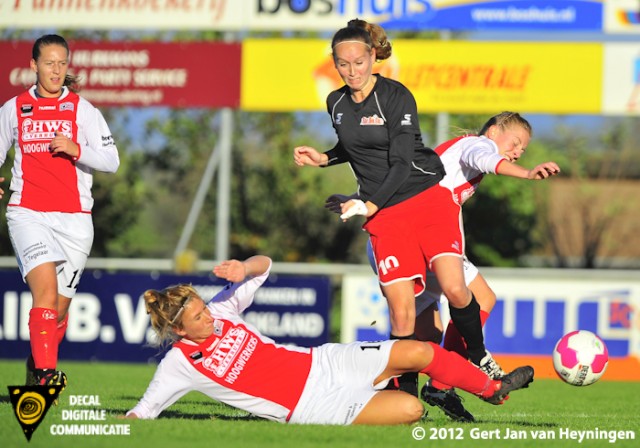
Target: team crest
<point>218,325</point>
<point>66,106</point>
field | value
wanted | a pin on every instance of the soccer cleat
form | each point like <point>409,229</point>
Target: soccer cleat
<point>50,377</point>
<point>520,378</point>
<point>489,366</point>
<point>447,400</point>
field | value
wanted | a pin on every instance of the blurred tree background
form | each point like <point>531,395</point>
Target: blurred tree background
<point>277,208</point>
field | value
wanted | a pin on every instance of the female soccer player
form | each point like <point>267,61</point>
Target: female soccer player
<point>501,142</point>
<point>219,354</point>
<point>412,221</point>
<point>59,139</point>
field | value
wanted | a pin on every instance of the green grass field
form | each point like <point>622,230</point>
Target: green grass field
<point>548,407</point>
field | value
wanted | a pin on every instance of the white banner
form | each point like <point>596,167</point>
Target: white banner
<point>622,16</point>
<point>621,79</point>
<point>123,14</point>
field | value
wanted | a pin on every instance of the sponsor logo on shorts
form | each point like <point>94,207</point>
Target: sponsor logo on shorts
<point>34,251</point>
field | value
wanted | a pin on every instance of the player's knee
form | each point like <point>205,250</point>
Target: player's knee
<point>402,321</point>
<point>418,354</point>
<point>458,295</point>
<point>413,410</point>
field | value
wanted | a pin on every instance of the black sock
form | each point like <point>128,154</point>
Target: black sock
<point>407,382</point>
<point>468,323</point>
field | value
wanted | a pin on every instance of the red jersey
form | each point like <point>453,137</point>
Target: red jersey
<point>48,182</point>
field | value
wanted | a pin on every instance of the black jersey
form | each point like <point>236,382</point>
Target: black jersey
<point>380,138</point>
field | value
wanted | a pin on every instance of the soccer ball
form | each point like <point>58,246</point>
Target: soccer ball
<point>580,358</point>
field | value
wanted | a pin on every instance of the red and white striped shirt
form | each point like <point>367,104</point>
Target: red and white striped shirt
<point>236,365</point>
<point>466,160</point>
<point>47,182</point>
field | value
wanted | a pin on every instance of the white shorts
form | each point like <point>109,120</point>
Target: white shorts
<point>61,238</point>
<point>340,382</point>
<point>433,292</point>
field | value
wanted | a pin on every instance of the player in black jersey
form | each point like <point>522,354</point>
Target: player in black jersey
<point>413,222</point>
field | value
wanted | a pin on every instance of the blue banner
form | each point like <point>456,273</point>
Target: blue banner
<point>530,315</point>
<point>521,15</point>
<point>108,319</point>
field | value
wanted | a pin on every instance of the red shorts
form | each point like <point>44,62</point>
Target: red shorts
<point>408,236</point>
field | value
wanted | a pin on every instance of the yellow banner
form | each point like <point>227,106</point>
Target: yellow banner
<point>461,77</point>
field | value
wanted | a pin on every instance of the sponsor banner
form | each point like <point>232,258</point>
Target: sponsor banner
<point>108,319</point>
<point>530,315</point>
<point>138,74</point>
<point>457,77</point>
<point>327,15</point>
<point>119,14</point>
<point>622,16</point>
<point>621,83</point>
<point>540,15</point>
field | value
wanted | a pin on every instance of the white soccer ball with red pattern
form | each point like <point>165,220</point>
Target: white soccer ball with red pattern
<point>580,358</point>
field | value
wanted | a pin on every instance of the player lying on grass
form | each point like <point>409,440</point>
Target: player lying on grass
<point>219,354</point>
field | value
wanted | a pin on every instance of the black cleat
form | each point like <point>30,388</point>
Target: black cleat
<point>50,377</point>
<point>447,400</point>
<point>520,378</point>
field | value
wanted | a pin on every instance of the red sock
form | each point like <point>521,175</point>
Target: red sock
<point>454,342</point>
<point>451,368</point>
<point>62,328</point>
<point>43,324</point>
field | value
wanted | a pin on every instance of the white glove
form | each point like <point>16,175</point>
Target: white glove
<point>358,208</point>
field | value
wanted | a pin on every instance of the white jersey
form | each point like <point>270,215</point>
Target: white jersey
<point>47,182</point>
<point>466,160</point>
<point>236,365</point>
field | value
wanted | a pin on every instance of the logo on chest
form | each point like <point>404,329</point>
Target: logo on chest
<point>45,129</point>
<point>26,110</point>
<point>226,351</point>
<point>372,121</point>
